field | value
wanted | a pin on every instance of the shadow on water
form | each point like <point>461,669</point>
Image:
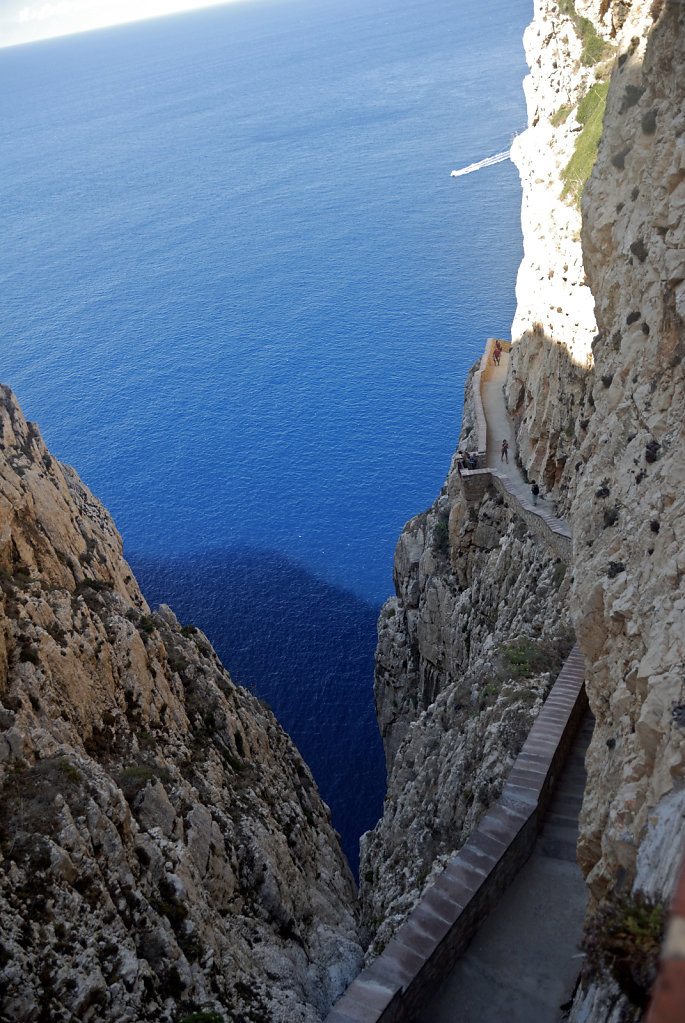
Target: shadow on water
<point>302,645</point>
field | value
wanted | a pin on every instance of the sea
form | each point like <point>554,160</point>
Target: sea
<point>241,292</point>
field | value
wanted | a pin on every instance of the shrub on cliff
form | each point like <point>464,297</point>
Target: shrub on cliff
<point>623,938</point>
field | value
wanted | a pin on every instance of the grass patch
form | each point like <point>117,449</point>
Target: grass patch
<point>561,114</point>
<point>590,114</point>
<point>593,45</point>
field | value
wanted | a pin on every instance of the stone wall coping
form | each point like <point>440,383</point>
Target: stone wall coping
<point>436,932</point>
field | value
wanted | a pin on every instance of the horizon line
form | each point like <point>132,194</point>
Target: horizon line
<point>185,7</point>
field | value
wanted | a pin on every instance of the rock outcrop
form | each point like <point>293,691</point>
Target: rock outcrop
<point>467,652</point>
<point>595,392</point>
<point>163,848</point>
<point>628,512</point>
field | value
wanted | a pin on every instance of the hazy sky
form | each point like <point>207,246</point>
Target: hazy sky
<point>23,21</point>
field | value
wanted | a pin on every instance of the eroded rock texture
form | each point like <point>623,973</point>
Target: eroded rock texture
<point>629,532</point>
<point>467,652</point>
<point>162,845</point>
<point>595,387</point>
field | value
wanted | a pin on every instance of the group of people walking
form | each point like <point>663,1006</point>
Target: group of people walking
<point>467,461</point>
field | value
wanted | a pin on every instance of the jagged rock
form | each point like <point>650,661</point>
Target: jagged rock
<point>162,844</point>
<point>596,390</point>
<point>467,651</point>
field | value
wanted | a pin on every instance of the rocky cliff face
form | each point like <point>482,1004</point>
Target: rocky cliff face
<point>467,652</point>
<point>629,535</point>
<point>619,469</point>
<point>595,390</point>
<point>163,847</point>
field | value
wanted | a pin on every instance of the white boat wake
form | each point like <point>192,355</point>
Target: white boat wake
<point>488,162</point>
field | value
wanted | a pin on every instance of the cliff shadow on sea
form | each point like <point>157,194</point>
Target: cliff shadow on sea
<point>301,644</point>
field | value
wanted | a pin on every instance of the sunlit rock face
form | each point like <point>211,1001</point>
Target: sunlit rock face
<point>595,387</point>
<point>162,844</point>
<point>555,322</point>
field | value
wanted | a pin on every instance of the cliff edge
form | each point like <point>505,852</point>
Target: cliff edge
<point>594,392</point>
<point>163,847</point>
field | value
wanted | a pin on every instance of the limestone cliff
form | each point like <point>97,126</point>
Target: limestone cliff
<point>595,392</point>
<point>629,532</point>
<point>163,848</point>
<point>467,652</point>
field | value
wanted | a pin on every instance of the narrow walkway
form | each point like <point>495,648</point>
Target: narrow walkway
<point>523,962</point>
<point>522,881</point>
<point>499,427</point>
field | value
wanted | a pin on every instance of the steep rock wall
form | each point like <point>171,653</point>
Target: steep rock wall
<point>467,651</point>
<point>629,533</point>
<point>162,845</point>
<point>549,383</point>
<point>595,388</point>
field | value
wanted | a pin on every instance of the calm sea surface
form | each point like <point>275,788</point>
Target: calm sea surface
<point>241,293</point>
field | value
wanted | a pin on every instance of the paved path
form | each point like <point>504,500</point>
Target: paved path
<point>523,962</point>
<point>499,426</point>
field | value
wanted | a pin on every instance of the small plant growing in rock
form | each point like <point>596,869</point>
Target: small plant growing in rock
<point>441,539</point>
<point>524,658</point>
<point>558,574</point>
<point>623,939</point>
<point>146,626</point>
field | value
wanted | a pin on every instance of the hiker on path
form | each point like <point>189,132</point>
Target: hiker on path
<point>504,457</point>
<point>535,491</point>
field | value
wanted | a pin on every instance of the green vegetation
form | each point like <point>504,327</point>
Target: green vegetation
<point>441,536</point>
<point>560,116</point>
<point>145,626</point>
<point>69,771</point>
<point>623,939</point>
<point>590,114</point>
<point>133,779</point>
<point>488,695</point>
<point>524,658</point>
<point>558,574</point>
<point>593,45</point>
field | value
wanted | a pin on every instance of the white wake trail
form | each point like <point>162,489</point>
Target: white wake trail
<point>488,162</point>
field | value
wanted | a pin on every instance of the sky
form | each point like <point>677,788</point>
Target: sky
<point>25,21</point>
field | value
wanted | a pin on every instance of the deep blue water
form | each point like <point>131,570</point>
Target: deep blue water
<point>241,294</point>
